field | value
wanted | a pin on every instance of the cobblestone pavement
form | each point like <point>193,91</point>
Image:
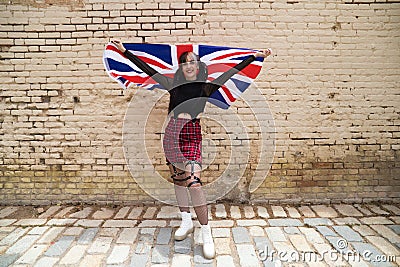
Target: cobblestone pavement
<point>314,235</point>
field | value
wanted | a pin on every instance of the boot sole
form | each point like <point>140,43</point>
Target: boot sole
<point>180,238</point>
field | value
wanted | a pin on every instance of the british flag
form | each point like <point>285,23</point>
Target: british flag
<point>164,59</point>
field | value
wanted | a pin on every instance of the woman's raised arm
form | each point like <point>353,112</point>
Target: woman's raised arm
<point>165,81</point>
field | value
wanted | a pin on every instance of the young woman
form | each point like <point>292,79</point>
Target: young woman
<point>189,92</point>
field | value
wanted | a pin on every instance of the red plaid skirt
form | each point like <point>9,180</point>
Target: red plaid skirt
<point>182,140</point>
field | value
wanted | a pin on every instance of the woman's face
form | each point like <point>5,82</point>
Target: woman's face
<point>190,67</point>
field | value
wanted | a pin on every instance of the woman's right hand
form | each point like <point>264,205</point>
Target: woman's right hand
<point>119,45</point>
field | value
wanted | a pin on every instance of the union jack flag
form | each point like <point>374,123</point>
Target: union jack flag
<point>164,59</point>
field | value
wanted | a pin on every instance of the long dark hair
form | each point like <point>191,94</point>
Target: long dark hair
<point>179,77</point>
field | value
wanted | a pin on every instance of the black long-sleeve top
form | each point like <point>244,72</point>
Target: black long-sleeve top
<point>189,97</point>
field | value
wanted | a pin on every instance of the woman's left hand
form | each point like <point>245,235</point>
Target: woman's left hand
<point>263,53</point>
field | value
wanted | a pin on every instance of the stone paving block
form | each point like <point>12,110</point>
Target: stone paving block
<point>369,251</point>
<point>30,222</point>
<point>263,245</point>
<point>300,243</point>
<point>306,211</point>
<point>92,261</point>
<point>160,254</point>
<point>109,232</point>
<point>256,231</point>
<point>6,230</point>
<point>324,251</point>
<point>247,255</point>
<point>103,213</point>
<point>220,211</point>
<point>339,244</point>
<point>275,234</point>
<point>285,222</point>
<point>87,236</point>
<point>347,233</point>
<point>324,211</point>
<point>60,246</point>
<point>140,260</point>
<point>168,212</point>
<point>253,222</point>
<point>61,222</point>
<point>184,246</point>
<point>278,211</point>
<point>127,236</point>
<point>164,236</point>
<point>224,261</point>
<point>395,210</point>
<point>82,214</point>
<point>363,210</point>
<point>348,210</point>
<point>22,244</point>
<point>100,245</point>
<point>122,212</point>
<point>73,231</point>
<point>249,212</point>
<point>364,230</point>
<point>13,236</point>
<point>46,261</point>
<point>221,232</point>
<point>312,235</point>
<point>143,248</point>
<point>50,235</point>
<point>317,221</point>
<point>49,212</point>
<point>7,222</point>
<point>395,219</point>
<point>119,254</point>
<point>325,231</point>
<point>346,221</point>
<point>88,223</point>
<point>262,212</point>
<point>119,223</point>
<point>293,213</point>
<point>7,211</point>
<point>292,230</point>
<point>221,223</point>
<point>376,209</point>
<point>179,260</point>
<point>376,220</point>
<point>63,212</point>
<point>135,213</point>
<point>31,255</point>
<point>148,231</point>
<point>8,259</point>
<point>384,246</point>
<point>150,212</point>
<point>240,235</point>
<point>74,255</point>
<point>198,256</point>
<point>38,230</point>
<point>386,232</point>
<point>153,223</point>
<point>235,212</point>
<point>395,228</point>
<point>222,246</point>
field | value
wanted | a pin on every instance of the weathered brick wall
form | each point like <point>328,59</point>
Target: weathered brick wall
<point>332,87</point>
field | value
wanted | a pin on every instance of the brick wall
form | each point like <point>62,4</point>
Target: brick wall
<point>332,87</point>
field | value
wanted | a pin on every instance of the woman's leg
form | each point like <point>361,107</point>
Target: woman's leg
<point>180,188</point>
<point>193,170</point>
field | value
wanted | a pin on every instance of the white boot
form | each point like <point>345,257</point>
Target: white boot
<point>208,243</point>
<point>185,228</point>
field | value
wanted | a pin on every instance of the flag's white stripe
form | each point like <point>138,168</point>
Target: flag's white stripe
<point>147,55</point>
<point>174,56</point>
